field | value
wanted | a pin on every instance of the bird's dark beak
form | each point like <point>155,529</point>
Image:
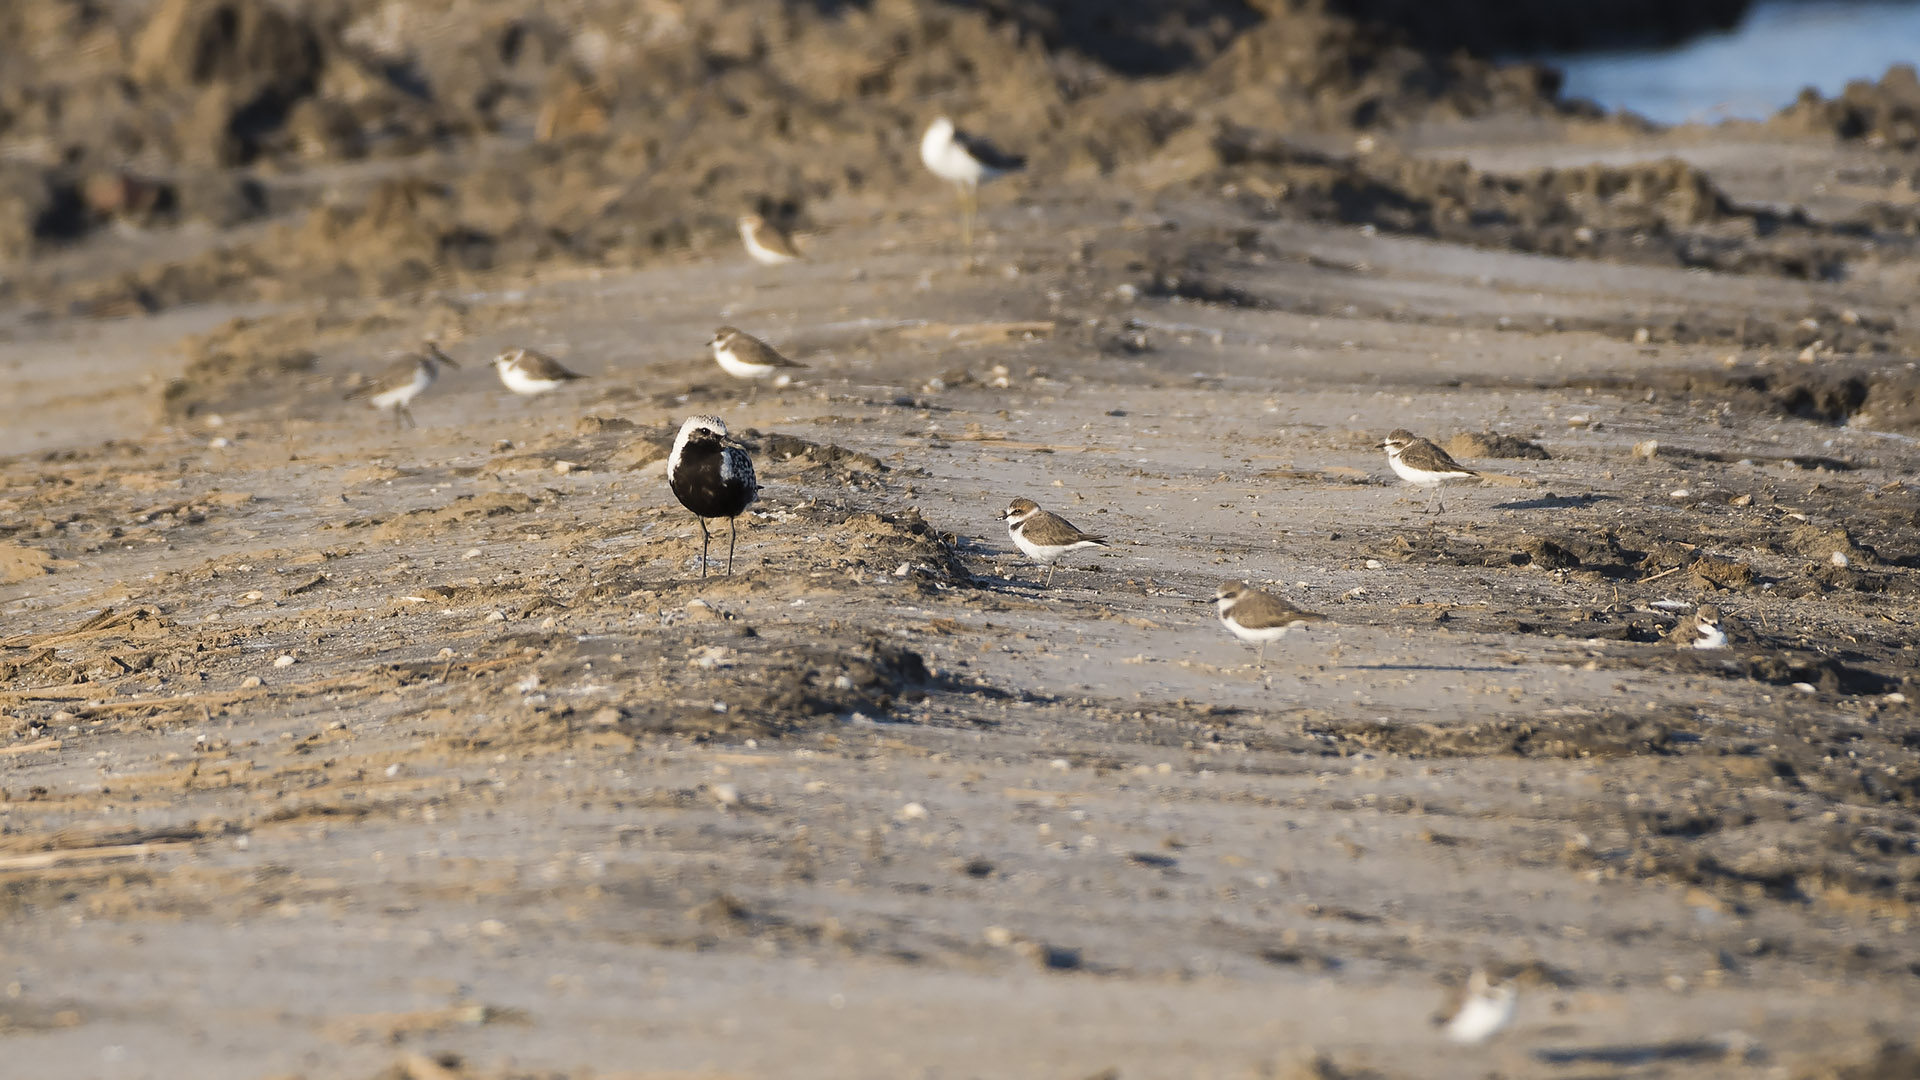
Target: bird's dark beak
<point>1201,599</point>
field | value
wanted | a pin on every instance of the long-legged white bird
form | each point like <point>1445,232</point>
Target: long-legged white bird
<point>965,161</point>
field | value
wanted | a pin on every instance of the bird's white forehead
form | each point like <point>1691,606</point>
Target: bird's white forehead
<point>711,423</point>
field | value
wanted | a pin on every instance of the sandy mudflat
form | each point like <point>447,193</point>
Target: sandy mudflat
<point>535,794</point>
<point>329,749</point>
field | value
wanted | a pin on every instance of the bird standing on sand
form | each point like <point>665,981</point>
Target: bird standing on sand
<point>1477,1011</point>
<point>401,381</point>
<point>1258,617</point>
<point>744,356</point>
<point>1420,463</point>
<point>965,161</point>
<point>1045,536</point>
<point>527,372</point>
<point>767,244</point>
<point>713,477</point>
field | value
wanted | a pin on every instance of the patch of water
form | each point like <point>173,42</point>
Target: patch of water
<point>1756,69</point>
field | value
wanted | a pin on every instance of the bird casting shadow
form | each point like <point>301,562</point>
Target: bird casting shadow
<point>1556,502</point>
<point>1421,667</point>
<point>1641,1054</point>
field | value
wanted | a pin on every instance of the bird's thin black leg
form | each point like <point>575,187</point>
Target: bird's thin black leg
<point>733,530</point>
<point>703,544</point>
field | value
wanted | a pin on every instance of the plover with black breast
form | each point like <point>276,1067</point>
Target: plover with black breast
<point>1258,617</point>
<point>713,477</point>
<point>403,380</point>
<point>1704,629</point>
<point>744,356</point>
<point>527,372</point>
<point>766,243</point>
<point>1474,1013</point>
<point>965,161</point>
<point>1044,536</point>
<point>1421,463</point>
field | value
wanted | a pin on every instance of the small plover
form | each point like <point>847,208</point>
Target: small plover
<point>1703,629</point>
<point>1475,1012</point>
<point>1044,536</point>
<point>1420,463</point>
<point>766,242</point>
<point>744,356</point>
<point>401,381</point>
<point>1258,616</point>
<point>713,477</point>
<point>526,372</point>
<point>965,161</point>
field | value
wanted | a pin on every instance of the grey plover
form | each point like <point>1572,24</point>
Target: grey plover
<point>713,477</point>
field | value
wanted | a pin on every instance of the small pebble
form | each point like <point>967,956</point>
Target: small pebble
<point>913,811</point>
<point>249,682</point>
<point>470,553</point>
<point>496,616</point>
<point>283,660</point>
<point>726,795</point>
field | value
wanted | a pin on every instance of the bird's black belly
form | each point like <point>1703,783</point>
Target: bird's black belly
<point>701,487</point>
